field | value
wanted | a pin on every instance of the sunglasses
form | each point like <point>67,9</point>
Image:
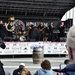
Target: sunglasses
<point>11,20</point>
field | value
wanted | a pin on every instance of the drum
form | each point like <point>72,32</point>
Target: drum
<point>22,38</point>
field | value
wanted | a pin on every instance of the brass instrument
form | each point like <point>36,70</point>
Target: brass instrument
<point>11,20</point>
<point>12,28</point>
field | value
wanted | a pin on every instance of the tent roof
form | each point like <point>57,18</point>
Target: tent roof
<point>35,9</point>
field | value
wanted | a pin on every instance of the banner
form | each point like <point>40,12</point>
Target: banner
<point>17,48</point>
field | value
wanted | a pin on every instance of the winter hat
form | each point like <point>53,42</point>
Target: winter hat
<point>22,64</point>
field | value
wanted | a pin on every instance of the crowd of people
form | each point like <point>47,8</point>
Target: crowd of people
<point>45,69</point>
<point>16,30</point>
<point>45,32</point>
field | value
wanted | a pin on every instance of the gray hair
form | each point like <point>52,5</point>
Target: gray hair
<point>71,37</point>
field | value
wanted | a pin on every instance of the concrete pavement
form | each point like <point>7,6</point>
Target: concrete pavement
<point>12,63</point>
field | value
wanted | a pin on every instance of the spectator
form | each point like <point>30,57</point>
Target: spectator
<point>45,69</point>
<point>66,62</point>
<point>70,45</point>
<point>21,70</point>
<point>1,69</point>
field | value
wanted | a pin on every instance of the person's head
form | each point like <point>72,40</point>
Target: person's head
<point>67,61</point>
<point>22,65</point>
<point>62,23</point>
<point>11,18</point>
<point>1,22</point>
<point>51,23</point>
<point>31,24</point>
<point>46,65</point>
<point>70,43</point>
<point>41,23</point>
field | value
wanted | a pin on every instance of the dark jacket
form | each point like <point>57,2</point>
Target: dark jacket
<point>1,69</point>
<point>18,72</point>
<point>68,70</point>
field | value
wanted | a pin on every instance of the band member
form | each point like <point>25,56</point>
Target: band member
<point>62,29</point>
<point>10,27</point>
<point>41,29</point>
<point>3,31</point>
<point>29,29</point>
<point>46,33</point>
<point>51,34</point>
<point>33,33</point>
